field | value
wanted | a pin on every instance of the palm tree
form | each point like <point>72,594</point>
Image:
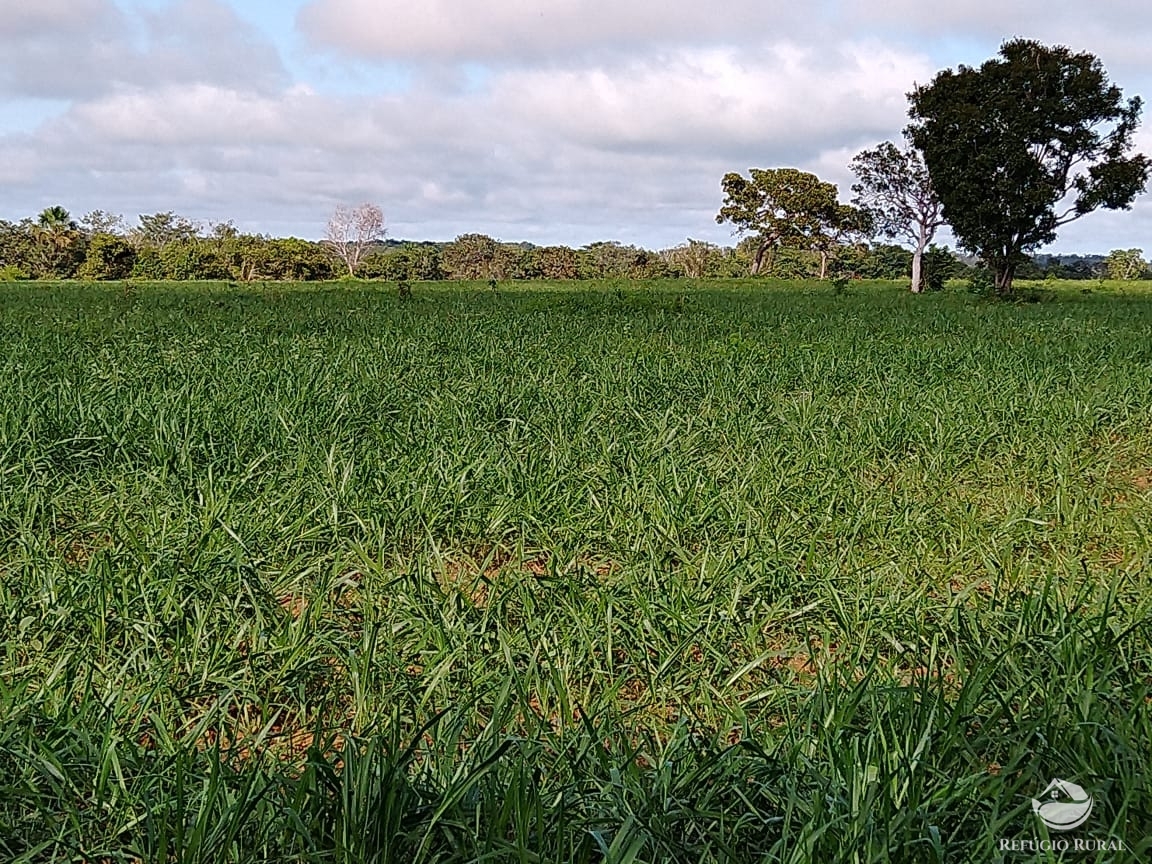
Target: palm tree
<point>57,224</point>
<point>56,218</point>
<point>56,233</point>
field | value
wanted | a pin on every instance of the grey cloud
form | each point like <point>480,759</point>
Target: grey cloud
<point>518,32</point>
<point>54,56</point>
<point>20,19</point>
<point>1068,18</point>
<point>205,41</point>
<point>49,53</point>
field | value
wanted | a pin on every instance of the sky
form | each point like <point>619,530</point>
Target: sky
<point>550,121</point>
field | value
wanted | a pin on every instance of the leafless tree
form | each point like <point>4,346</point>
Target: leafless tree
<point>896,190</point>
<point>352,231</point>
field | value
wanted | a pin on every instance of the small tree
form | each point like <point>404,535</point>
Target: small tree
<point>352,231</point>
<point>160,230</point>
<point>475,256</point>
<point>108,257</point>
<point>695,259</point>
<point>1031,131</point>
<point>610,259</point>
<point>405,263</point>
<point>780,207</point>
<point>18,246</point>
<point>296,259</point>
<point>895,189</point>
<point>99,222</point>
<point>1126,264</point>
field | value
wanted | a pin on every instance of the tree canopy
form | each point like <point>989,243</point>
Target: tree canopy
<point>1126,264</point>
<point>784,208</point>
<point>1029,141</point>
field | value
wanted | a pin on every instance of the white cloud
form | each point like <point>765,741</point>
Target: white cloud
<point>508,30</point>
<point>634,149</point>
<point>182,116</point>
<point>782,97</point>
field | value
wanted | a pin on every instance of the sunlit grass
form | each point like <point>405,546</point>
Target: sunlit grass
<point>615,572</point>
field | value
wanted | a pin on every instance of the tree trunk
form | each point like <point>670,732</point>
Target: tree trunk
<point>1005,273</point>
<point>918,270</point>
<point>758,260</point>
<point>823,265</point>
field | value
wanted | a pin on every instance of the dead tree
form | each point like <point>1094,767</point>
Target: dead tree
<point>352,231</point>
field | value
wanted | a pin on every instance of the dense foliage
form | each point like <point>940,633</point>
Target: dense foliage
<point>784,208</point>
<point>1030,141</point>
<point>612,572</point>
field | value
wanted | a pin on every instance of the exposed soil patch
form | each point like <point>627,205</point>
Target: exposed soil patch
<point>79,549</point>
<point>294,605</point>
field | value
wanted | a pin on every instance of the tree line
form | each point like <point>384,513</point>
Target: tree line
<point>166,246</point>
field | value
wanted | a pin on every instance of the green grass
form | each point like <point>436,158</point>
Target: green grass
<point>619,572</point>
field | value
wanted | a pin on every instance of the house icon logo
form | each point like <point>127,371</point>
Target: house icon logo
<point>1063,806</point>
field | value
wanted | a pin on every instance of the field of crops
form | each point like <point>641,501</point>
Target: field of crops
<point>616,572</point>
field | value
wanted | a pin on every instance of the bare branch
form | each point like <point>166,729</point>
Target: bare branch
<point>352,231</point>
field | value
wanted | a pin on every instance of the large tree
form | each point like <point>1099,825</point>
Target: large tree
<point>781,208</point>
<point>352,231</point>
<point>894,187</point>
<point>1030,141</point>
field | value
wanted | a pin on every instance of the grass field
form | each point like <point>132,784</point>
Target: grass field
<point>617,572</point>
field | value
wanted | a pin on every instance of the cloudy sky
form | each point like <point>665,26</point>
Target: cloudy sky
<point>545,120</point>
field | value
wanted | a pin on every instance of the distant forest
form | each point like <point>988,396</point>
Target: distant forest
<point>165,246</point>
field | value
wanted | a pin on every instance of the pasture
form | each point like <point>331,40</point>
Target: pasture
<point>624,572</point>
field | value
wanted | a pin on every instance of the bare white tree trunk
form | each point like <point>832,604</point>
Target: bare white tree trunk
<point>923,238</point>
<point>918,271</point>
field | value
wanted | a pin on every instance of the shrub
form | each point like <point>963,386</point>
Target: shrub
<point>148,265</point>
<point>108,257</point>
<point>12,273</point>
